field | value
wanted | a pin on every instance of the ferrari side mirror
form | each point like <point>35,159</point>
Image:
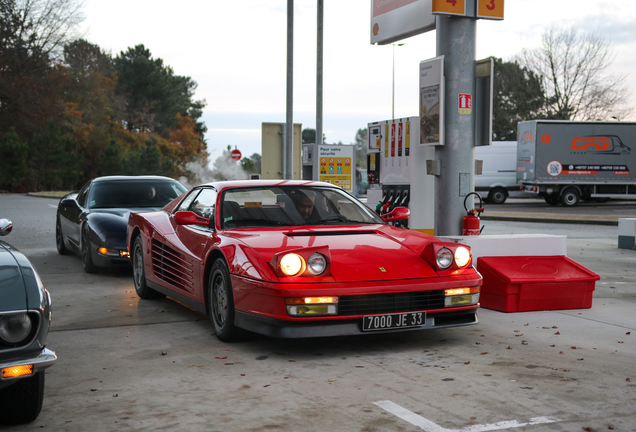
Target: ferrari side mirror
<point>398,213</point>
<point>190,218</point>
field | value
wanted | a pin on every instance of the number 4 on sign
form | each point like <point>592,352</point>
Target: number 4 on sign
<point>449,7</point>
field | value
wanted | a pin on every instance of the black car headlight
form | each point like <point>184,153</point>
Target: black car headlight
<point>15,327</point>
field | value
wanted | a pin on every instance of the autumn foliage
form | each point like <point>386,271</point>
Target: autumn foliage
<point>82,113</point>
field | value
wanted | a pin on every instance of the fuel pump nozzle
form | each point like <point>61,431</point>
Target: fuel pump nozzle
<point>405,199</point>
<point>396,199</point>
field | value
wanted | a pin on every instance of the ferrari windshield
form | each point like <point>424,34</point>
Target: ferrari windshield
<point>134,193</point>
<point>291,206</point>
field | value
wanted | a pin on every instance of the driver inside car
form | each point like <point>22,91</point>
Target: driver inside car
<point>305,206</point>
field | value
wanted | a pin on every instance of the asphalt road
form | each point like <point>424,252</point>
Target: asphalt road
<point>623,207</point>
<point>131,364</point>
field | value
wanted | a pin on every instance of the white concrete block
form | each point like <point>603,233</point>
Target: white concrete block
<point>627,233</point>
<point>513,244</point>
<point>627,227</point>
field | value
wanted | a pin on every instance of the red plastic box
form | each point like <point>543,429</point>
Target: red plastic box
<point>531,283</point>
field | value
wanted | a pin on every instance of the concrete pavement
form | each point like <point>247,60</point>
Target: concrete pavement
<point>130,364</point>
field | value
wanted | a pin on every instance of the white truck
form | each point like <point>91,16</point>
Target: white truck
<point>569,161</point>
<point>498,178</point>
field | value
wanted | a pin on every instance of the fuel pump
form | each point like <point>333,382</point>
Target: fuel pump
<point>397,177</point>
<point>470,222</point>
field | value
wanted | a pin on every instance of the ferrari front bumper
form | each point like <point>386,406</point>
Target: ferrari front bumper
<point>344,327</point>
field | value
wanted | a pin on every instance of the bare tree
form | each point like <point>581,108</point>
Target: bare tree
<point>47,24</point>
<point>576,75</point>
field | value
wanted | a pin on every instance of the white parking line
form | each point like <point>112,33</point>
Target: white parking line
<point>429,426</point>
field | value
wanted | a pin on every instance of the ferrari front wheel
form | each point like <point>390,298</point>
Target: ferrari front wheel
<point>221,302</point>
<point>139,274</point>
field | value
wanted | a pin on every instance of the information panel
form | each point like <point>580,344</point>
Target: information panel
<point>336,165</point>
<point>432,101</point>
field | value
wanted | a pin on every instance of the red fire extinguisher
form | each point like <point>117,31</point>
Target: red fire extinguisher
<point>470,222</point>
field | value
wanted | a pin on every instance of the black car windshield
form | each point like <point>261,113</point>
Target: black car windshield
<point>133,193</point>
<point>292,206</point>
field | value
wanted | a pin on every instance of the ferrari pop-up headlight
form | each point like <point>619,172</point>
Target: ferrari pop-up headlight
<point>316,264</point>
<point>292,264</point>
<point>444,258</point>
<point>462,256</point>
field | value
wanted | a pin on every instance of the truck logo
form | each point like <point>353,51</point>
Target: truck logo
<point>600,144</point>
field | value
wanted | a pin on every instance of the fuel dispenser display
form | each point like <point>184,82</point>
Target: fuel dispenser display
<point>396,171</point>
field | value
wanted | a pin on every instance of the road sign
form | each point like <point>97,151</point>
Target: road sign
<point>235,154</point>
<point>490,9</point>
<point>449,7</point>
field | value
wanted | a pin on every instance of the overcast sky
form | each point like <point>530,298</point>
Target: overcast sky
<point>236,52</point>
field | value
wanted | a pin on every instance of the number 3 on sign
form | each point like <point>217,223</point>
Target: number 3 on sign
<point>490,9</point>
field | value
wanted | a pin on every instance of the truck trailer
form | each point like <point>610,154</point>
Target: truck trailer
<point>569,161</point>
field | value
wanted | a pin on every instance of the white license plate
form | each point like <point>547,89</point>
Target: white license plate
<point>393,321</point>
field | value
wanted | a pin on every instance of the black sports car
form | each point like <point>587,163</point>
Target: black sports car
<point>25,314</point>
<point>93,221</point>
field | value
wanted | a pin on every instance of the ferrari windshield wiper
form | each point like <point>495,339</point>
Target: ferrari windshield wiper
<point>260,221</point>
<point>334,219</point>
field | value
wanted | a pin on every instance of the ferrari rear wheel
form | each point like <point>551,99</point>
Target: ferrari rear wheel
<point>139,274</point>
<point>87,258</point>
<point>221,302</point>
<point>59,238</point>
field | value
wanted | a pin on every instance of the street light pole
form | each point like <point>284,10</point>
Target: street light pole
<point>393,92</point>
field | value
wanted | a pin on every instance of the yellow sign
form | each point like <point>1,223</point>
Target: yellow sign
<point>490,9</point>
<point>449,7</point>
<point>336,170</point>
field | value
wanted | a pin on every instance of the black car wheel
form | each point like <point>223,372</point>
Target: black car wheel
<point>22,401</point>
<point>87,257</point>
<point>570,197</point>
<point>498,195</point>
<point>139,274</point>
<point>221,302</point>
<point>59,239</point>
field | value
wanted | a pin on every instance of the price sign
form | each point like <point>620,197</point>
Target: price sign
<point>490,9</point>
<point>449,7</point>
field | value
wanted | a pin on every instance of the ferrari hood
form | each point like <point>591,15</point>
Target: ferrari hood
<point>354,255</point>
<point>12,290</point>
